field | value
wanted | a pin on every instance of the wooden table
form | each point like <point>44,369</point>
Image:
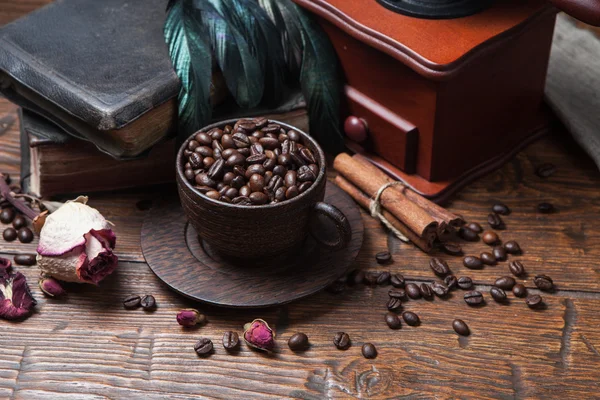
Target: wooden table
<point>88,347</point>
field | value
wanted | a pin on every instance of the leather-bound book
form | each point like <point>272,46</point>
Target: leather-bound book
<point>53,162</point>
<point>99,69</point>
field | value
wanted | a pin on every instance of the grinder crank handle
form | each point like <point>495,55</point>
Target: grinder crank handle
<point>587,11</point>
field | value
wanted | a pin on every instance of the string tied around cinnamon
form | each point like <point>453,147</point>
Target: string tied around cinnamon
<point>375,210</point>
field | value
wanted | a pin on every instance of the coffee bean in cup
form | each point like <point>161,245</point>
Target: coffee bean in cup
<point>251,163</point>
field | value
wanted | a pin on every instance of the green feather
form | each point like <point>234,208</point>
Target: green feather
<point>191,58</point>
<point>241,69</point>
<point>289,33</point>
<point>320,76</point>
<point>263,41</point>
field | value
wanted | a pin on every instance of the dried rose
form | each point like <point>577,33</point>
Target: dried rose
<point>16,301</point>
<point>76,244</point>
<point>5,264</point>
<point>259,335</point>
<point>190,317</point>
<point>51,287</point>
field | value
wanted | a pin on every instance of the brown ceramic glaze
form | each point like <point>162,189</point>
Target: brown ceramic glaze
<point>250,232</point>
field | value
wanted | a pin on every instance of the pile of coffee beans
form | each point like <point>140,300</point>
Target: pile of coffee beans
<point>19,229</point>
<point>253,162</point>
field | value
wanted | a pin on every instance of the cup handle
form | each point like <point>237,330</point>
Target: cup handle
<point>342,225</point>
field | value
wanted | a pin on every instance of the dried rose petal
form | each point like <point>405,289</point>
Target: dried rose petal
<point>16,301</point>
<point>190,317</point>
<point>259,335</point>
<point>51,287</point>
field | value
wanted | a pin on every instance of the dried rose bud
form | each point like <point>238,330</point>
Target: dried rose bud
<point>16,301</point>
<point>5,264</point>
<point>259,335</point>
<point>190,317</point>
<point>51,287</point>
<point>76,244</point>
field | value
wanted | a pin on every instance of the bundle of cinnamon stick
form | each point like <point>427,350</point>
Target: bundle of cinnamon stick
<point>417,218</point>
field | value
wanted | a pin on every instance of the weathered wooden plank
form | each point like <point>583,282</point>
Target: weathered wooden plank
<point>88,344</point>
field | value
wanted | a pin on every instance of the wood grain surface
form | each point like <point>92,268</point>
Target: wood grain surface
<point>87,346</point>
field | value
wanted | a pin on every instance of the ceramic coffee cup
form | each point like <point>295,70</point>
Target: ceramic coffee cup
<point>259,231</point>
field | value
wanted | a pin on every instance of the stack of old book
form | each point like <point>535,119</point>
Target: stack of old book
<point>99,95</point>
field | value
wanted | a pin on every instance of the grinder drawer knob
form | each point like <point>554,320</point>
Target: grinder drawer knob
<point>356,129</point>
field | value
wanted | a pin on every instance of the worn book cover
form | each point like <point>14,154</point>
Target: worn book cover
<point>98,69</point>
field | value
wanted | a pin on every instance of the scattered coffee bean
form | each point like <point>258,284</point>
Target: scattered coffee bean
<point>499,253</point>
<point>468,234</point>
<point>132,301</point>
<point>472,262</point>
<point>495,221</point>
<point>512,247</point>
<point>452,249</point>
<point>439,289</point>
<point>356,277</point>
<point>7,215</point>
<point>397,281</point>
<point>487,258</point>
<point>341,340</point>
<point>369,350</point>
<point>464,282</point>
<point>19,222</point>
<point>412,291</point>
<point>473,298</point>
<point>519,290</point>
<point>397,293</point>
<point>516,268</point>
<point>298,342</point>
<point>203,347</point>
<point>505,282</point>
<point>490,237</point>
<point>25,235</point>
<point>426,291</point>
<point>439,267</point>
<point>384,278</point>
<point>475,227</point>
<point>392,320</point>
<point>383,257</point>
<point>411,318</point>
<point>545,170</point>
<point>534,301</point>
<point>498,294</point>
<point>25,259</point>
<point>501,209</point>
<point>148,302</point>
<point>371,277</point>
<point>543,282</point>
<point>394,303</point>
<point>9,234</point>
<point>460,327</point>
<point>545,208</point>
<point>451,282</point>
<point>231,340</point>
<point>336,287</point>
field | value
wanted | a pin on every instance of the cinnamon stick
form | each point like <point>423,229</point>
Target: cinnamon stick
<point>413,216</point>
<point>425,244</point>
<point>440,214</point>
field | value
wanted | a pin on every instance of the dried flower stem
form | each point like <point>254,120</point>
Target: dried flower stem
<point>19,205</point>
